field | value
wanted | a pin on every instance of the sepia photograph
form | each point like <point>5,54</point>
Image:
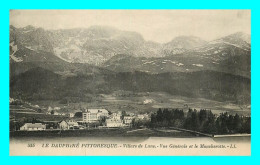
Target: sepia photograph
<point>130,82</point>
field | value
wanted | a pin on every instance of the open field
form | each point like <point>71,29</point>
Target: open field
<point>150,102</point>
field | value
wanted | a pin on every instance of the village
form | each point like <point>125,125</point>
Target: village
<point>91,118</point>
<point>25,116</point>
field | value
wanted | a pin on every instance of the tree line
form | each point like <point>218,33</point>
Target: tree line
<point>203,121</point>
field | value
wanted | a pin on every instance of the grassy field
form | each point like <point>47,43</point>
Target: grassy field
<point>18,112</point>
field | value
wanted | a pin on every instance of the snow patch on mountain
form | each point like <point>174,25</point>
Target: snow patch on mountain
<point>148,62</point>
<point>198,65</point>
<point>179,64</point>
<point>16,59</point>
<point>15,49</point>
<point>27,31</point>
<point>29,47</point>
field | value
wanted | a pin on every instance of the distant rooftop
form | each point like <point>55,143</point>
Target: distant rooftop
<point>96,110</point>
<point>34,125</point>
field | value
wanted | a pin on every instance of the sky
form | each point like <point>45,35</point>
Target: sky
<point>154,25</point>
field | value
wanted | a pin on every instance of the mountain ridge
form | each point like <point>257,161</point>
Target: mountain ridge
<point>97,44</point>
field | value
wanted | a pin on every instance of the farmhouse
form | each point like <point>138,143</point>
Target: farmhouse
<point>33,126</point>
<point>94,115</point>
<point>63,125</point>
<point>70,124</point>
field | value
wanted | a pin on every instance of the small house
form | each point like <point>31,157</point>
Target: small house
<point>70,124</point>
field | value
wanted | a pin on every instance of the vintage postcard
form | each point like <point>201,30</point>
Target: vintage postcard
<point>130,82</point>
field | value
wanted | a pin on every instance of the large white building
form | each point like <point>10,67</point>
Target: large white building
<point>128,120</point>
<point>94,115</point>
<point>33,127</point>
<point>114,123</point>
<point>116,116</point>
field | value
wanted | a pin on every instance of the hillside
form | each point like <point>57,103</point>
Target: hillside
<point>42,84</point>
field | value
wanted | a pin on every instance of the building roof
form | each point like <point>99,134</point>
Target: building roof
<point>70,122</point>
<point>51,121</point>
<point>96,110</point>
<point>128,117</point>
<point>113,121</point>
<point>73,123</point>
<point>34,125</point>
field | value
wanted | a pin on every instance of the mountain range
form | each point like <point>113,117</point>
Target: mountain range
<point>53,64</point>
